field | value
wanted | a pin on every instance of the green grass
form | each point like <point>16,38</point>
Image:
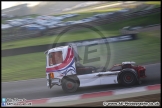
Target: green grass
<point>23,66</point>
<point>105,9</point>
<point>79,17</point>
<point>153,2</point>
<point>86,14</point>
<point>29,66</point>
<point>107,29</point>
<point>3,21</point>
<point>89,11</point>
<point>157,6</point>
<point>83,9</point>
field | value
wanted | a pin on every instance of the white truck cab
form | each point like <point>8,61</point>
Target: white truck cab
<point>63,69</point>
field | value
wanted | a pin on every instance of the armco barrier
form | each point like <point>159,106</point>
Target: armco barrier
<point>105,40</point>
<point>93,95</point>
<point>42,48</point>
<point>101,21</point>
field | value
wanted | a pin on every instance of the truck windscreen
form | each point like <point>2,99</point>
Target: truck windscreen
<point>55,58</point>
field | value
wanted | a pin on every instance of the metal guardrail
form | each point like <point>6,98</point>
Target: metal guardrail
<point>101,21</point>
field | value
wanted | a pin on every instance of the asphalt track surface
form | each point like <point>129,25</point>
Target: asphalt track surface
<point>36,88</point>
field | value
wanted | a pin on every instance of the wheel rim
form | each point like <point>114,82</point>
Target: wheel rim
<point>69,85</point>
<point>128,78</point>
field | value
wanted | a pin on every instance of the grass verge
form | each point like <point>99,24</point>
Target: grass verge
<point>91,13</point>
<point>153,2</point>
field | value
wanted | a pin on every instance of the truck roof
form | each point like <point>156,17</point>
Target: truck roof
<point>56,48</point>
<point>128,62</point>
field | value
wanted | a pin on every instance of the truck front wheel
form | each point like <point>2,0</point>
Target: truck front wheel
<point>69,85</point>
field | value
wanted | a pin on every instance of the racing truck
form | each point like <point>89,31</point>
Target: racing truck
<point>63,68</point>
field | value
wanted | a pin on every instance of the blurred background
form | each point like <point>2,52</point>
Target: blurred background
<point>26,25</point>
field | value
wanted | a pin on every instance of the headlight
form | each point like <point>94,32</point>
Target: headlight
<point>52,75</point>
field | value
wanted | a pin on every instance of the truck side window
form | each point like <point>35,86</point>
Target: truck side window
<point>55,58</point>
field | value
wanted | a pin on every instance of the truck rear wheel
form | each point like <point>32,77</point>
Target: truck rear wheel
<point>69,85</point>
<point>128,79</point>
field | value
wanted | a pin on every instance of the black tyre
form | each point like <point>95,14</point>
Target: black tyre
<point>69,86</point>
<point>128,79</point>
